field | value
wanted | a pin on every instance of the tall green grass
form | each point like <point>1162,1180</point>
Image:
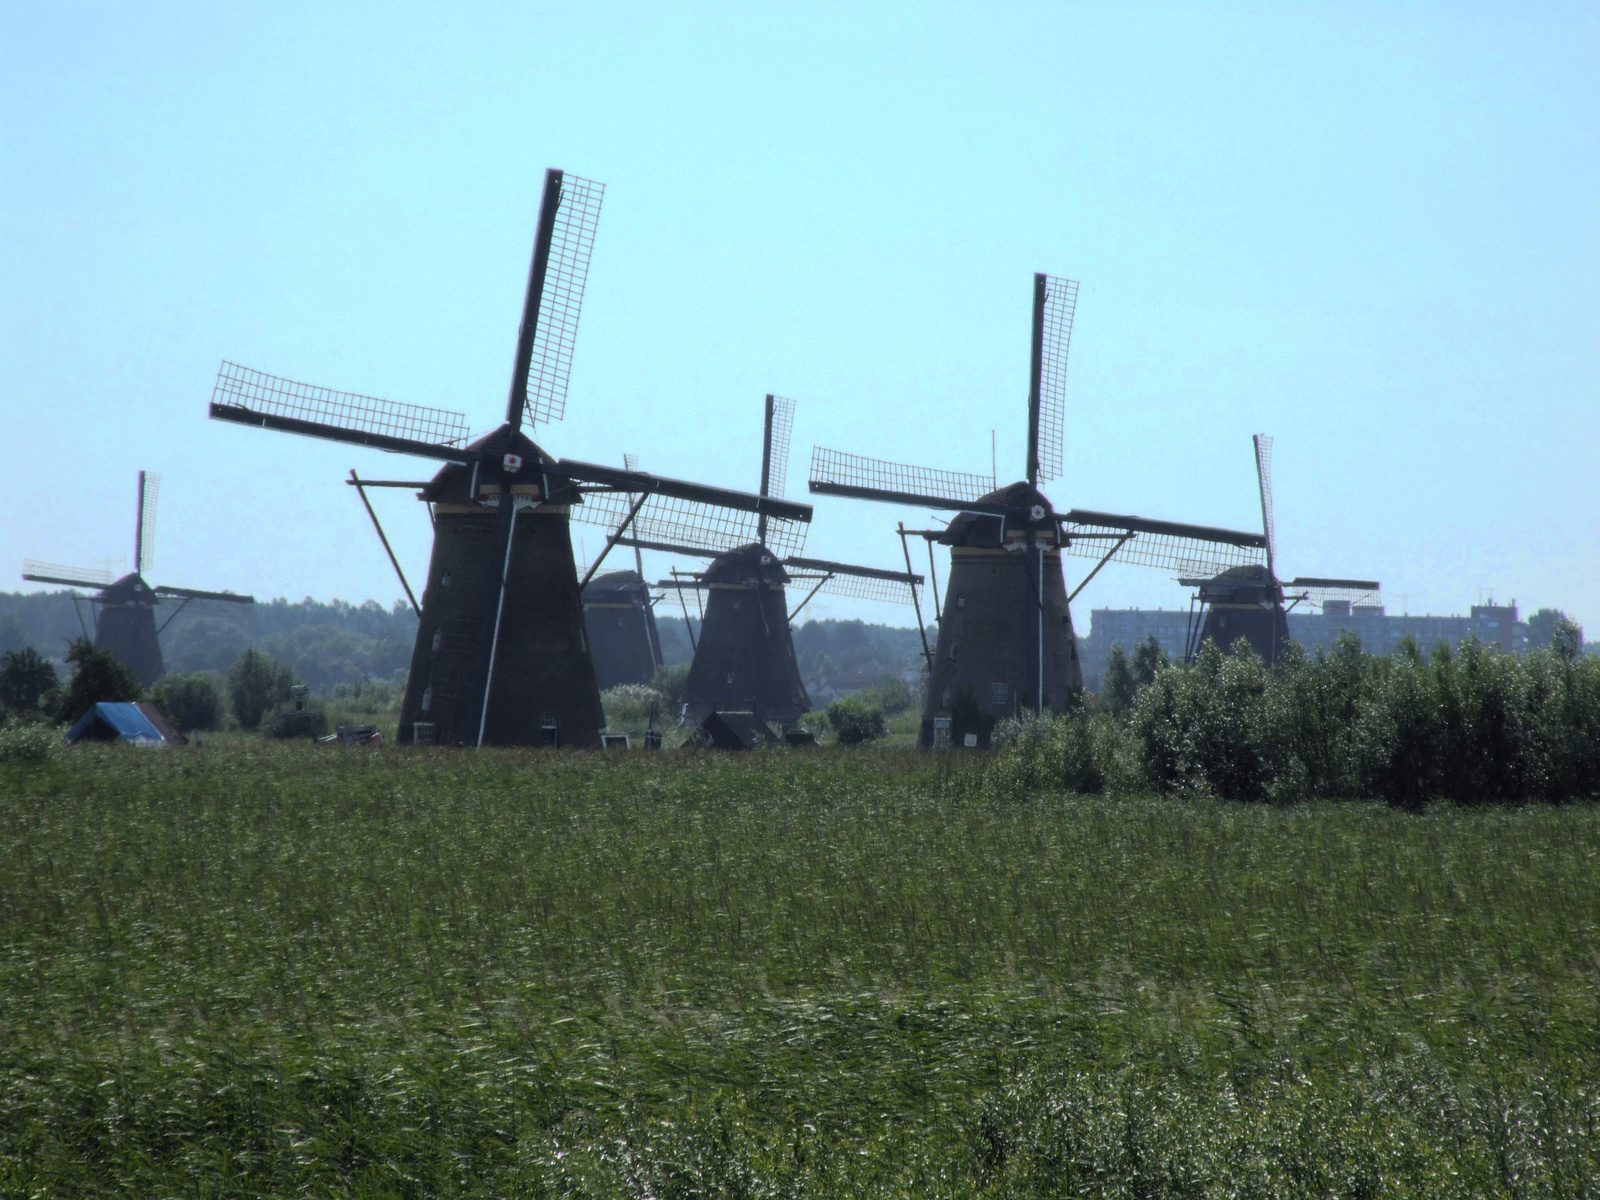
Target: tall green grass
<point>261,969</point>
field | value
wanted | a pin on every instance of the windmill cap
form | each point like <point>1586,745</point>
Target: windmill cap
<point>453,480</point>
<point>130,587</point>
<point>617,582</point>
<point>746,562</point>
<point>980,529</point>
<point>1249,583</point>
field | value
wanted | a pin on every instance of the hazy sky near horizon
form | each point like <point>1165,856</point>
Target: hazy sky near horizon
<point>1372,231</point>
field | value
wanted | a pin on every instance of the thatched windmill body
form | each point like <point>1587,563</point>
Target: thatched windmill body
<point>125,608</point>
<point>502,656</point>
<point>1006,640</point>
<point>1250,602</point>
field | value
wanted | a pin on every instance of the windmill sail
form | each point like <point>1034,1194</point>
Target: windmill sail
<point>694,517</point>
<point>1055,304</point>
<point>47,572</point>
<point>1263,448</point>
<point>144,542</point>
<point>847,581</point>
<point>250,397</point>
<point>775,448</point>
<point>556,280</point>
<point>1167,545</point>
<point>836,473</point>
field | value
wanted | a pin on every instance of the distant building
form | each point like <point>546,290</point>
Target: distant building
<point>1380,632</point>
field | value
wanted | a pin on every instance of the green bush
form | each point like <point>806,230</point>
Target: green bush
<point>1474,726</point>
<point>855,722</point>
<point>256,685</point>
<point>191,701</point>
<point>28,742</point>
<point>25,676</point>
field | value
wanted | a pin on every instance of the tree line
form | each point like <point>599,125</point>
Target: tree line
<point>1473,725</point>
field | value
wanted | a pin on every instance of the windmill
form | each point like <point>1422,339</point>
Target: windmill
<point>125,617</point>
<point>744,657</point>
<point>1005,635</point>
<point>501,656</point>
<point>1250,601</point>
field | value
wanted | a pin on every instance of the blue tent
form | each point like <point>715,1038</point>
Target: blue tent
<point>124,722</point>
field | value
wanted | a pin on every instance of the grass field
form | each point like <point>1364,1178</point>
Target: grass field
<point>261,969</point>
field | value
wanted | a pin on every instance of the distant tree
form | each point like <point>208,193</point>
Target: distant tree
<point>25,675</point>
<point>1542,627</point>
<point>1566,640</point>
<point>1117,686</point>
<point>97,676</point>
<point>190,701</point>
<point>257,683</point>
<point>1148,658</point>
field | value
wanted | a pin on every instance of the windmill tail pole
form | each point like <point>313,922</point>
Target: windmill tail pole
<point>809,594</point>
<point>916,601</point>
<point>357,482</point>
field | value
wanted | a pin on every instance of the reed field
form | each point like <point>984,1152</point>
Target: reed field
<point>259,969</point>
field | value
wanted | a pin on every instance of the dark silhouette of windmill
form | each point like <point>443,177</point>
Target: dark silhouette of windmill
<point>744,658</point>
<point>1006,640</point>
<point>1251,602</point>
<point>501,656</point>
<point>125,608</point>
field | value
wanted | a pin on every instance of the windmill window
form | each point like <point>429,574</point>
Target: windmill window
<point>444,580</point>
<point>427,699</point>
<point>961,600</point>
<point>953,646</point>
<point>999,694</point>
<point>422,733</point>
<point>438,636</point>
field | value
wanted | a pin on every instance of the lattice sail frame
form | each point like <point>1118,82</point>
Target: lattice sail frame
<point>1165,551</point>
<point>853,587</point>
<point>1322,593</point>
<point>88,576</point>
<point>270,395</point>
<point>1060,308</point>
<point>855,470</point>
<point>1263,445</point>
<point>694,524</point>
<point>571,245</point>
<point>144,555</point>
<point>782,430</point>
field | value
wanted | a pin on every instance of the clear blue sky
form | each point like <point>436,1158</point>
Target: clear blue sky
<point>1370,230</point>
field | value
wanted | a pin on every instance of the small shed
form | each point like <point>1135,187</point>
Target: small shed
<point>735,731</point>
<point>123,721</point>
